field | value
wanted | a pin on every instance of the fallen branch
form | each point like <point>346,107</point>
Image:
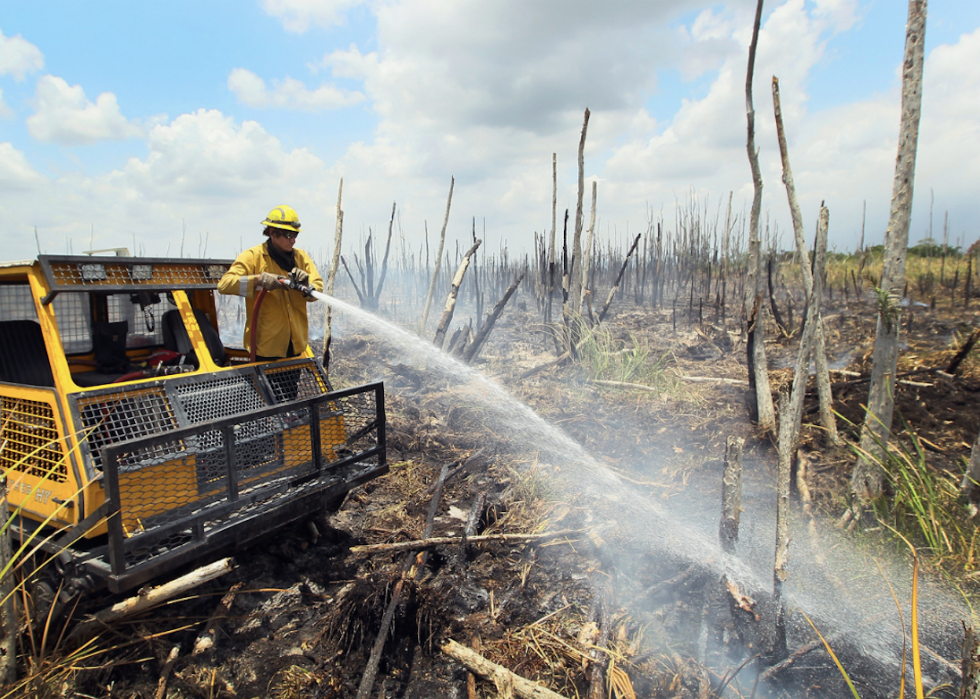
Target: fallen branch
<point>157,595</point>
<point>954,365</point>
<point>713,379</point>
<point>408,571</point>
<point>771,672</point>
<point>205,640</point>
<point>168,666</point>
<point>420,544</point>
<point>499,675</point>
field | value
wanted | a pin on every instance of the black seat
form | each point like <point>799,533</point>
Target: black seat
<point>176,339</point>
<point>23,355</point>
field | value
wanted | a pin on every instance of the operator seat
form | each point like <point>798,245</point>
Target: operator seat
<point>176,339</point>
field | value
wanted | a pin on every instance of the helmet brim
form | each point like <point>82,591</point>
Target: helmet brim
<point>284,225</point>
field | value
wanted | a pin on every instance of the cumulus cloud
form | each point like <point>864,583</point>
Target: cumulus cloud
<point>288,93</point>
<point>487,91</point>
<point>299,15</point>
<point>206,154</point>
<point>64,115</point>
<point>19,57</point>
<point>16,173</point>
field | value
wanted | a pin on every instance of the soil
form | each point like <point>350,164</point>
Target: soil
<point>308,610</point>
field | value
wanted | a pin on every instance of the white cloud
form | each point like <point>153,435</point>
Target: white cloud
<point>19,57</point>
<point>64,115</point>
<point>288,93</point>
<point>205,155</point>
<point>203,171</point>
<point>298,15</point>
<point>16,173</point>
<point>5,111</point>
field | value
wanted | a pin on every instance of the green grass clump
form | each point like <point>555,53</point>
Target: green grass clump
<point>605,358</point>
<point>923,504</point>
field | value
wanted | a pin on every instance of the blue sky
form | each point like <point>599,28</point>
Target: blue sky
<point>143,120</point>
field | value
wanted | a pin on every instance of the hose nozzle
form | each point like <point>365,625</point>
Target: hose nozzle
<point>291,283</point>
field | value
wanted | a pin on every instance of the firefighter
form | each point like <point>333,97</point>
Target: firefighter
<point>282,327</point>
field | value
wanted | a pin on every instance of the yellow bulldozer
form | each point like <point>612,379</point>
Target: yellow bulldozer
<point>134,442</point>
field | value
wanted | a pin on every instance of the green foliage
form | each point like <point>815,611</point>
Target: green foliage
<point>605,358</point>
<point>923,505</point>
<point>889,307</point>
<point>927,247</point>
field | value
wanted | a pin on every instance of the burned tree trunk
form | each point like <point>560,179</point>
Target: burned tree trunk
<point>971,480</point>
<point>970,687</point>
<point>791,410</point>
<point>332,276</point>
<point>447,315</point>
<point>484,332</point>
<point>576,274</point>
<point>551,245</point>
<point>435,274</point>
<point>731,498</point>
<point>826,397</point>
<point>866,478</point>
<point>764,412</point>
<point>376,298</point>
<point>619,278</point>
<point>587,253</point>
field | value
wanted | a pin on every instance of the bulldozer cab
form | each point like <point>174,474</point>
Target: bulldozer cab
<point>134,441</point>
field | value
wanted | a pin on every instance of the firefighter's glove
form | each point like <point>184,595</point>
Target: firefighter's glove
<point>268,281</point>
<point>299,276</point>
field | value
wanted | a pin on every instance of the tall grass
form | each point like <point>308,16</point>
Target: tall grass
<point>605,358</point>
<point>923,504</point>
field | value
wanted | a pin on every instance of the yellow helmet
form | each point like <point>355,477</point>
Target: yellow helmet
<point>282,217</point>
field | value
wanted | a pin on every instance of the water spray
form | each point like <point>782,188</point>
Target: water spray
<point>633,522</point>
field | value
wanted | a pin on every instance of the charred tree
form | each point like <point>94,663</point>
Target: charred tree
<point>447,315</point>
<point>763,410</point>
<point>332,276</point>
<point>619,278</point>
<point>866,478</point>
<point>576,272</point>
<point>435,274</point>
<point>826,397</point>
<point>376,297</point>
<point>484,332</point>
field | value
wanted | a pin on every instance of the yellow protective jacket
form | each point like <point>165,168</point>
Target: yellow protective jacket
<point>282,315</point>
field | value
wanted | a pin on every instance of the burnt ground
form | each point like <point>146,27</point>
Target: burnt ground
<point>307,610</point>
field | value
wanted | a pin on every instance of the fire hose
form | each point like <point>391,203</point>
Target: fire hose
<point>288,283</point>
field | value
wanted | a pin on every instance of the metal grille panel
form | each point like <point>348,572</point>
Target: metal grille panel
<point>29,435</point>
<point>116,417</point>
<point>220,397</point>
<point>296,381</point>
<point>95,272</point>
<point>74,319</point>
<point>359,423</point>
<point>17,302</point>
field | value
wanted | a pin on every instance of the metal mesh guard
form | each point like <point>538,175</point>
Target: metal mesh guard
<point>174,491</point>
<point>29,436</point>
<point>295,382</point>
<point>129,272</point>
<point>116,417</point>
